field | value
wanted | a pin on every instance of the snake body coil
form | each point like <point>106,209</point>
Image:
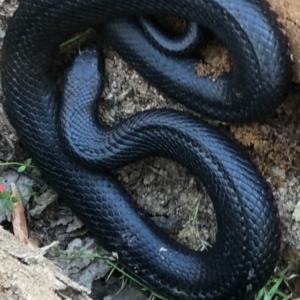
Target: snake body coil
<point>248,238</point>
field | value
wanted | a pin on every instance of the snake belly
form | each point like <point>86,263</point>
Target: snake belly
<point>248,239</point>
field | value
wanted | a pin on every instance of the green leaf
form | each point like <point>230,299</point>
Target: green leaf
<point>14,199</point>
<point>30,189</point>
<point>22,168</point>
<point>10,206</point>
<point>43,188</point>
<point>5,195</point>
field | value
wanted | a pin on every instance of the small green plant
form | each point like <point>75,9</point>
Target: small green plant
<point>125,276</point>
<point>194,220</point>
<point>70,41</point>
<point>37,193</point>
<point>272,289</point>
<point>193,226</point>
<point>22,166</point>
<point>6,199</point>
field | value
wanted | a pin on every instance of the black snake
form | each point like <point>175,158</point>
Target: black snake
<point>248,238</point>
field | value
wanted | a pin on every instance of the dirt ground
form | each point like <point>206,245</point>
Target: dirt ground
<point>166,190</point>
<point>288,12</point>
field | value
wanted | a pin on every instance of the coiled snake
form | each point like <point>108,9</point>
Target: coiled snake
<point>248,238</point>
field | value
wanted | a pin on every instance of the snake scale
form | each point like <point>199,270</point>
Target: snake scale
<point>70,153</point>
